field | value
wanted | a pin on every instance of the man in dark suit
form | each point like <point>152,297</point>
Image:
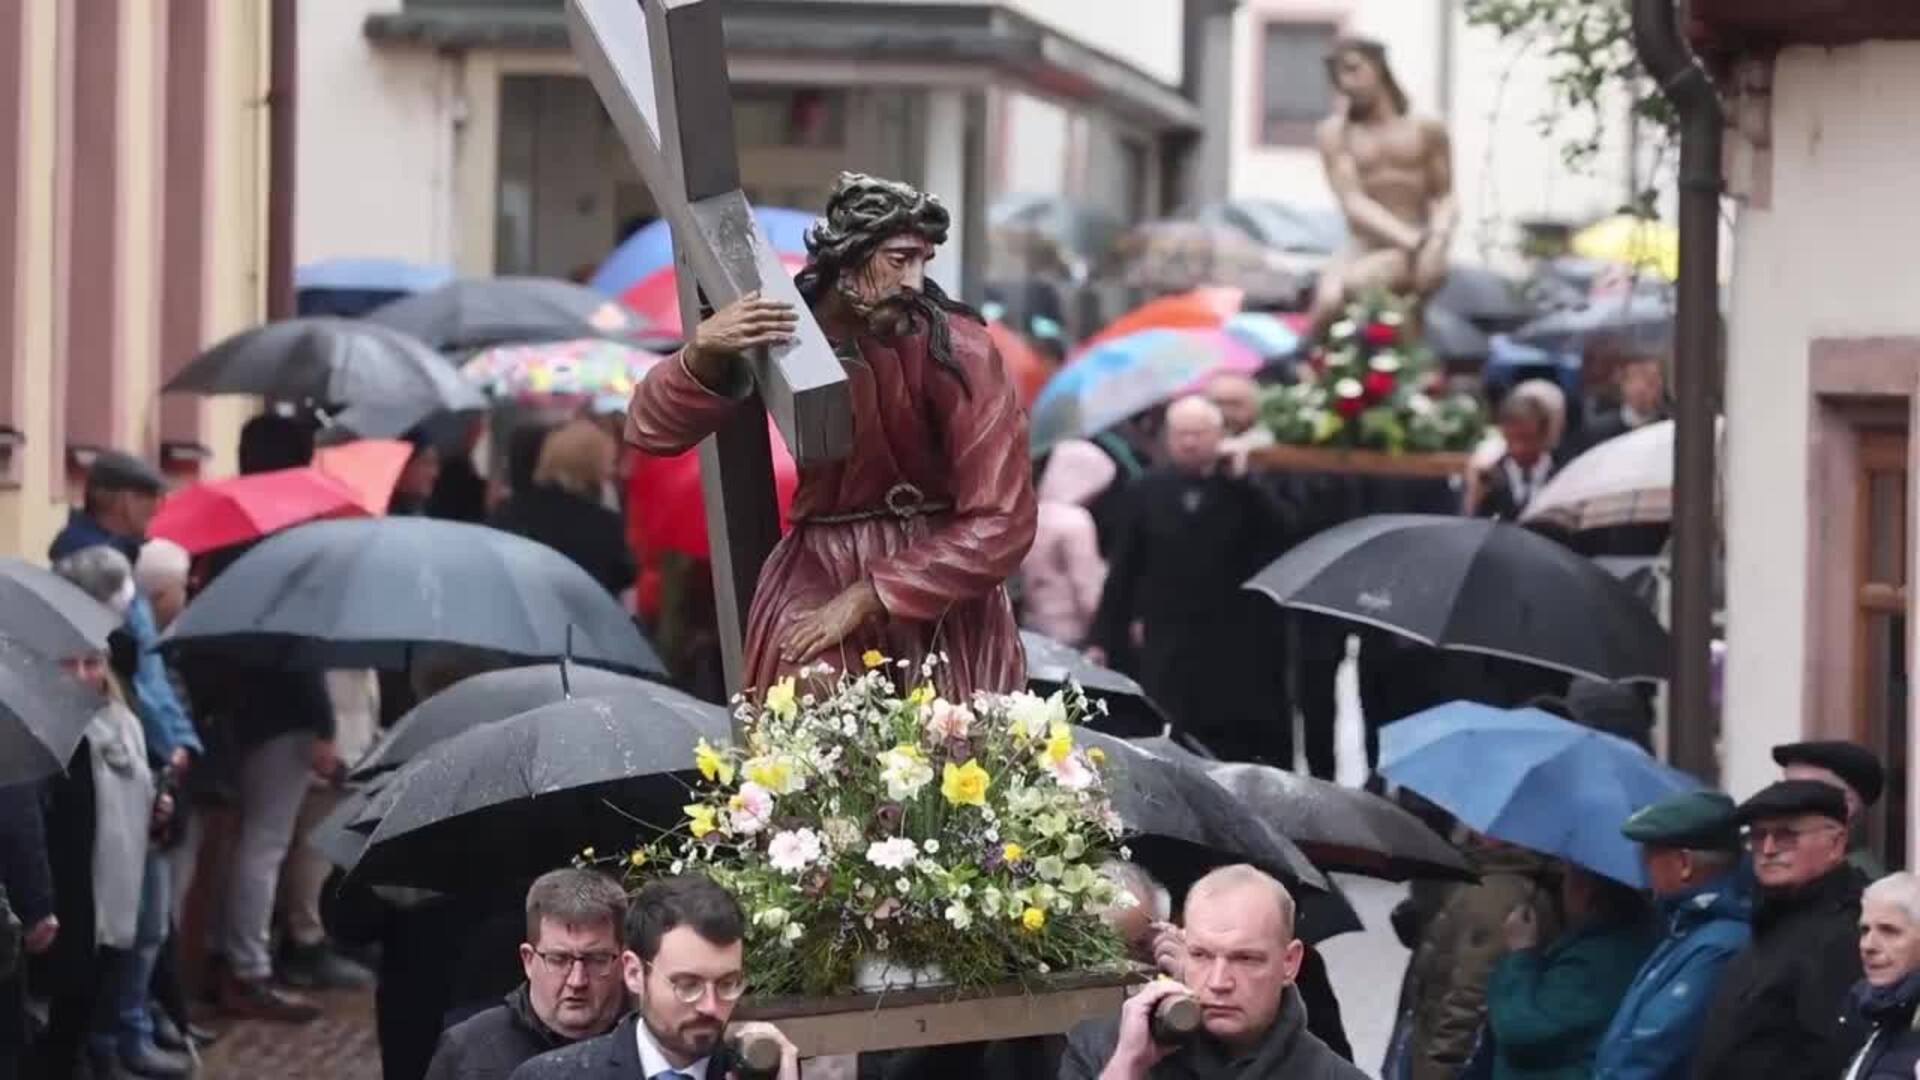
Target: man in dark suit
<point>685,967</point>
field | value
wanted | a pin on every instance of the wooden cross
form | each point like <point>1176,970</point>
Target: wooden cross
<point>660,68</point>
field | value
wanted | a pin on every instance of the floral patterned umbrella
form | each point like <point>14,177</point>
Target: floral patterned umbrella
<point>584,368</point>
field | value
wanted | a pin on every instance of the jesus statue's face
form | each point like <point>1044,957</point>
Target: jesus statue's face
<point>1357,78</point>
<point>882,289</point>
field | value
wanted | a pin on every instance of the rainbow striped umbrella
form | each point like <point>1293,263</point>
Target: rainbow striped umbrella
<point>593,368</point>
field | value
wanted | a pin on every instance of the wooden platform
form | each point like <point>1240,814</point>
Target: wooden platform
<point>1284,458</point>
<point>901,1019</point>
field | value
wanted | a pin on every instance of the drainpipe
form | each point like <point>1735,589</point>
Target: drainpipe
<point>1685,83</point>
<point>282,78</point>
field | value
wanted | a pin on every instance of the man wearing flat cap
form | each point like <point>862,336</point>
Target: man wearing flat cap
<point>1690,846</point>
<point>1856,772</point>
<point>1777,1011</point>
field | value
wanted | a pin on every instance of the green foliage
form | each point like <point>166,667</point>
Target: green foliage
<point>1589,46</point>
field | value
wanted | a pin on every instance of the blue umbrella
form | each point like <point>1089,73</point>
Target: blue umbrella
<point>371,275</point>
<point>1532,779</point>
<point>1267,333</point>
<point>650,248</point>
<point>1126,375</point>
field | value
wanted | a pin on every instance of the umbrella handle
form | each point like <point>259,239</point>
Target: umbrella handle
<point>566,659</point>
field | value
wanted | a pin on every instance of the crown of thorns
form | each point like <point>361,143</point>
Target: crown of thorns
<point>865,210</point>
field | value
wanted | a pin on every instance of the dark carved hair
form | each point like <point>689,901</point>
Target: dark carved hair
<point>864,212</point>
<point>1374,53</point>
<point>684,900</point>
<point>577,898</point>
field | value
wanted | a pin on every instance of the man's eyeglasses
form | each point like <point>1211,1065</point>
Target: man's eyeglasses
<point>1784,837</point>
<point>598,964</point>
<point>690,989</point>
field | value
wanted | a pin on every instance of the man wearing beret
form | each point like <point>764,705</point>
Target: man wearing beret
<point>1777,1011</point>
<point>1856,772</point>
<point>1690,846</point>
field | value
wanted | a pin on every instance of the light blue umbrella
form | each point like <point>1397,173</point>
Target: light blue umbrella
<point>1127,375</point>
<point>650,248</point>
<point>1530,778</point>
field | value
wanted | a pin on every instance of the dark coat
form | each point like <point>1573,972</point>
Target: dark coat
<point>1187,545</point>
<point>613,1056</point>
<point>1892,1051</point>
<point>1288,1051</point>
<point>491,1044</point>
<point>1777,1011</point>
<point>584,531</point>
<point>1547,1008</point>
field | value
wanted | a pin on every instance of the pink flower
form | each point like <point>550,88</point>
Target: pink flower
<point>949,721</point>
<point>752,808</point>
<point>1070,772</point>
<point>887,908</point>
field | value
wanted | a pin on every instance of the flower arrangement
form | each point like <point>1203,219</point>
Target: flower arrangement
<point>1373,385</point>
<point>864,819</point>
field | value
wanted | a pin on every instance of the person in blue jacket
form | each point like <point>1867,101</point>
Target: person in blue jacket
<point>1691,847</point>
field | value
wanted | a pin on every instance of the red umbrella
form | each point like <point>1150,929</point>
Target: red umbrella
<point>664,508</point>
<point>366,467</point>
<point>1205,308</point>
<point>220,513</point>
<point>1025,366</point>
<point>656,297</point>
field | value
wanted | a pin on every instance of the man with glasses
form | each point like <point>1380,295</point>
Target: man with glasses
<point>685,965</point>
<point>1777,1011</point>
<point>573,989</point>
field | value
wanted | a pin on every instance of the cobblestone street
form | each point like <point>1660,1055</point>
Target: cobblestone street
<point>338,1046</point>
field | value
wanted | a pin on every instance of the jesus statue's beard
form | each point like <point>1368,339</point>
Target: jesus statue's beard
<point>901,312</point>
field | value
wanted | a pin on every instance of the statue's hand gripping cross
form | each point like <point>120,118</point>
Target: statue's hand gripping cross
<point>660,68</point>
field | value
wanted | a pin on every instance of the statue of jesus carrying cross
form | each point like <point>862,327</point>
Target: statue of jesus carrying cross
<point>903,547</point>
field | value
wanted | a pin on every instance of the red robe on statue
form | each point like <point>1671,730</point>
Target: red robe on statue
<point>941,575</point>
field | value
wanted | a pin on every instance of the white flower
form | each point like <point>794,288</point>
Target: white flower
<point>902,886</point>
<point>824,759</point>
<point>771,918</point>
<point>949,721</point>
<point>1032,716</point>
<point>842,833</point>
<point>958,915</point>
<point>931,847</point>
<point>793,850</point>
<point>993,836</point>
<point>904,772</point>
<point>752,809</point>
<point>791,934</point>
<point>991,902</point>
<point>895,854</point>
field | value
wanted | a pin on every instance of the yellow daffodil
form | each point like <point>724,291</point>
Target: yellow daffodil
<point>712,763</point>
<point>772,773</point>
<point>1059,744</point>
<point>873,658</point>
<point>702,817</point>
<point>1012,853</point>
<point>921,695</point>
<point>781,700</point>
<point>1033,919</point>
<point>965,785</point>
<point>586,853</point>
<point>637,859</point>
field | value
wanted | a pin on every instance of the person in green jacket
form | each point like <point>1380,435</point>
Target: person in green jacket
<point>1547,1007</point>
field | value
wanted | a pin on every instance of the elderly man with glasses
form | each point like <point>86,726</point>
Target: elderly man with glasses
<point>573,989</point>
<point>1777,1011</point>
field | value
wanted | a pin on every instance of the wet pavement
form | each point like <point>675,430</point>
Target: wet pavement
<point>340,1045</point>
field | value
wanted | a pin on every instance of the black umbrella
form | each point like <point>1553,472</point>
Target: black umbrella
<point>331,361</point>
<point>477,312</point>
<point>1637,320</point>
<point>335,836</point>
<point>365,592</point>
<point>496,695</point>
<point>1475,586</point>
<point>517,797</point>
<point>1051,665</point>
<point>1451,336</point>
<point>1343,829</point>
<point>43,714</point>
<point>49,614</point>
<point>1482,296</point>
<point>1186,822</point>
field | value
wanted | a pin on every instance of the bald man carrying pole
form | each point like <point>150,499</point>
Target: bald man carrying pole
<point>1242,958</point>
<point>1192,532</point>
